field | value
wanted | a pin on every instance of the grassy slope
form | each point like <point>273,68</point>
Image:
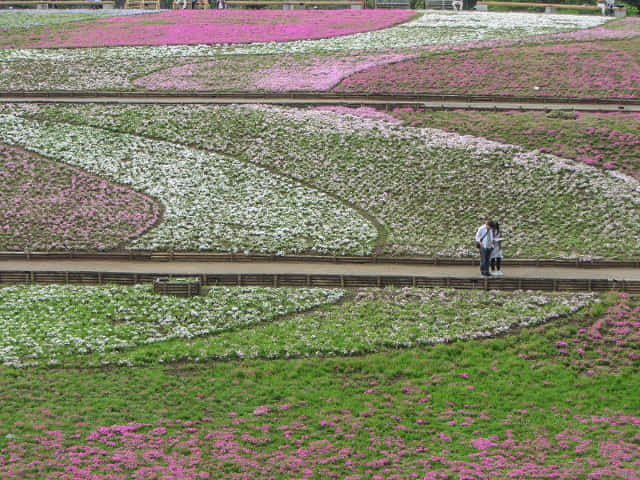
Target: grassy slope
<point>416,188</point>
<point>397,412</point>
<point>610,141</point>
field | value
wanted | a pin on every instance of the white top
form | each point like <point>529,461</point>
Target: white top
<point>484,235</point>
<point>497,247</point>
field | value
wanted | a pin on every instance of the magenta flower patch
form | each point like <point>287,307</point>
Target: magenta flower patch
<point>597,447</point>
<point>566,70</point>
<point>206,27</point>
<point>45,205</point>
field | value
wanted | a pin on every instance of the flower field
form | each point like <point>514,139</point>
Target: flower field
<point>271,73</point>
<point>585,70</point>
<point>50,206</point>
<point>373,321</point>
<point>515,406</point>
<point>12,20</point>
<point>121,68</point>
<point>125,325</point>
<point>47,324</point>
<point>380,168</point>
<point>120,383</point>
<point>194,27</point>
<point>210,202</point>
<point>607,140</point>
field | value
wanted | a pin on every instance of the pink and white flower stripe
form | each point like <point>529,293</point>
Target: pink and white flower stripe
<point>318,74</point>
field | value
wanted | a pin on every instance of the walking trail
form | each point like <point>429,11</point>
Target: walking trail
<point>319,98</point>
<point>312,268</point>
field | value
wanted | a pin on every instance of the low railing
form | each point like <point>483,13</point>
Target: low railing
<point>238,97</point>
<point>326,281</point>
<point>373,259</point>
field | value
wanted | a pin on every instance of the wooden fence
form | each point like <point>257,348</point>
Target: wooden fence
<point>183,287</point>
<point>326,281</point>
<point>364,98</point>
<point>374,259</point>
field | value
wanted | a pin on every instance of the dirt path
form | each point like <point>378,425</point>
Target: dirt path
<point>181,268</point>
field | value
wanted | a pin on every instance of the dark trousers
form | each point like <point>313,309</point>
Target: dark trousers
<point>485,253</point>
<point>495,264</point>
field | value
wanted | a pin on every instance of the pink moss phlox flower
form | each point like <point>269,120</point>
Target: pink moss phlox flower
<point>194,27</point>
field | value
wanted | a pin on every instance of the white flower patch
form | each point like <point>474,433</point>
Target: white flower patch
<point>395,318</point>
<point>53,321</point>
<point>116,68</point>
<point>497,21</point>
<point>211,202</point>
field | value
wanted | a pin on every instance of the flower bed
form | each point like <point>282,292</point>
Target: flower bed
<point>87,73</point>
<point>273,73</point>
<point>584,70</point>
<point>242,448</point>
<point>422,185</point>
<point>475,32</point>
<point>124,324</point>
<point>611,342</point>
<point>117,68</point>
<point>478,409</point>
<point>194,27</point>
<point>45,205</point>
<point>374,321</point>
<point>49,323</point>
<point>608,140</point>
<point>211,202</point>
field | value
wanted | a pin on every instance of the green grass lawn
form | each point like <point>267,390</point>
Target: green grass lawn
<point>560,399</point>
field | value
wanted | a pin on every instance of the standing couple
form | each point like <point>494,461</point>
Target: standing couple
<point>489,241</point>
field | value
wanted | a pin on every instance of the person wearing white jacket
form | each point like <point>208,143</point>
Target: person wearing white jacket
<point>484,242</point>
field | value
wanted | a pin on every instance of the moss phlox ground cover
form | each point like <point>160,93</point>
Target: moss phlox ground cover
<point>408,179</point>
<point>586,70</point>
<point>371,322</point>
<point>47,324</point>
<point>120,383</point>
<point>124,325</point>
<point>330,27</point>
<point>193,27</point>
<point>117,68</point>
<point>210,202</point>
<point>273,73</point>
<point>469,410</point>
<point>31,18</point>
<point>611,342</point>
<point>606,140</point>
<point>47,205</point>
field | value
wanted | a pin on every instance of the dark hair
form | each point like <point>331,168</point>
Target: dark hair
<point>496,227</point>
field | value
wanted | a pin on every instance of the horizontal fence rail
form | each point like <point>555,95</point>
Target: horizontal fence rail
<point>325,281</point>
<point>374,259</point>
<point>317,95</point>
<point>487,102</point>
